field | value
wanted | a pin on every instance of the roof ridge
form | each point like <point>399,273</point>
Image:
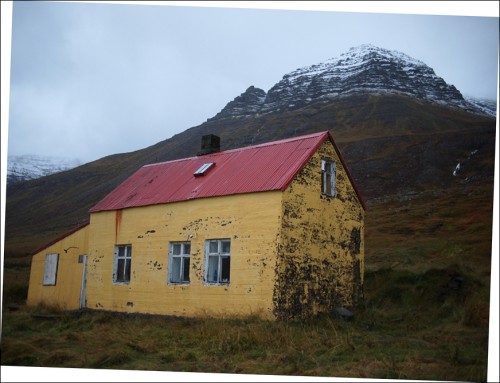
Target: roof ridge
<point>264,144</point>
<point>264,167</point>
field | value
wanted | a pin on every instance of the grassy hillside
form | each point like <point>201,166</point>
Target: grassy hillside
<point>392,145</point>
<point>425,314</point>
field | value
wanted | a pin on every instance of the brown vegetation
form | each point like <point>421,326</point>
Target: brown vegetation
<point>425,314</point>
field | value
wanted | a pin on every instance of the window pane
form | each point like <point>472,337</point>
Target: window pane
<point>333,183</point>
<point>120,270</point>
<point>187,248</point>
<point>328,184</point>
<point>185,270</point>
<point>213,248</point>
<point>213,269</point>
<point>128,264</point>
<point>129,251</point>
<point>225,265</point>
<point>121,251</point>
<point>176,249</point>
<point>226,247</point>
<point>175,273</point>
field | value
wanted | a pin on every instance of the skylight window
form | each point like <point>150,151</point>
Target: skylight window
<point>204,169</point>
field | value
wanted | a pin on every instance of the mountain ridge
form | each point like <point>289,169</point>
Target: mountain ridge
<point>394,144</point>
<point>362,69</point>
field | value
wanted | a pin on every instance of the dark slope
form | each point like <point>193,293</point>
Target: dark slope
<point>392,144</point>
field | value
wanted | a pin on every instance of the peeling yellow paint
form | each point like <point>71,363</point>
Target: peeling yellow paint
<point>320,262</point>
<point>250,221</point>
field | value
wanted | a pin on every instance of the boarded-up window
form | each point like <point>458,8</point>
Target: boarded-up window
<point>217,261</point>
<point>50,273</point>
<point>122,264</point>
<point>328,177</point>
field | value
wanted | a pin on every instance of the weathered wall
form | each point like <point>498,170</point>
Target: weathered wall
<point>66,292</point>
<point>251,221</point>
<point>321,256</point>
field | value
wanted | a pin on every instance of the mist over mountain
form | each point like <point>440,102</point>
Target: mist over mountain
<point>401,129</point>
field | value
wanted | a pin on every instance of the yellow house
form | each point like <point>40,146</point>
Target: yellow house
<point>274,230</point>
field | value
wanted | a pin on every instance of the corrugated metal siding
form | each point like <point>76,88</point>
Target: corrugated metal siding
<point>257,168</point>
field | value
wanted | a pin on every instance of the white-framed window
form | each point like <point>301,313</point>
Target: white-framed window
<point>178,262</point>
<point>50,272</point>
<point>122,263</point>
<point>328,178</point>
<point>217,261</point>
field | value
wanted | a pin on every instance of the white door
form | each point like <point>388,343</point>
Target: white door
<point>84,282</point>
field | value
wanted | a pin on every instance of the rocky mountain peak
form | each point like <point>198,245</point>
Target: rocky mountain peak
<point>367,69</point>
<point>247,103</point>
<point>362,69</point>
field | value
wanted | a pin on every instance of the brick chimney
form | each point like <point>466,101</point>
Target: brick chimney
<point>210,143</point>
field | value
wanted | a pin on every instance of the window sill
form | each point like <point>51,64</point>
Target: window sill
<point>328,195</point>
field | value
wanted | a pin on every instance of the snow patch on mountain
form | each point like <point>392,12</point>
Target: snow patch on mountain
<point>487,107</point>
<point>362,69</point>
<point>28,167</point>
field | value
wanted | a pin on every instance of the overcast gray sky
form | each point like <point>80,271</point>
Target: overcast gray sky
<point>90,80</point>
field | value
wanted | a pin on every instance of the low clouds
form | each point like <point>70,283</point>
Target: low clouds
<point>90,80</point>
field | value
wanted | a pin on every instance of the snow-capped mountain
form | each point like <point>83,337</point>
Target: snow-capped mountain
<point>489,107</point>
<point>366,69</point>
<point>27,167</point>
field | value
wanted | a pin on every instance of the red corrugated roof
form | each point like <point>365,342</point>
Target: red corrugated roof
<point>265,167</point>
